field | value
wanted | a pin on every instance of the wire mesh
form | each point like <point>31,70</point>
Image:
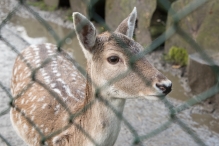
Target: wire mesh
<point>137,139</point>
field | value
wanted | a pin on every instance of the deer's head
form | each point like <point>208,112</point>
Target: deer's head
<point>109,55</point>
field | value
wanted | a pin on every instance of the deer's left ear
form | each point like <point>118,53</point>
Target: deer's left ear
<point>128,25</point>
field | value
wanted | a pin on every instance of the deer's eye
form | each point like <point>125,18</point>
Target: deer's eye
<point>113,59</point>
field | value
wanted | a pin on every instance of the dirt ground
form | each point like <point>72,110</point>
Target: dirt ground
<point>144,116</point>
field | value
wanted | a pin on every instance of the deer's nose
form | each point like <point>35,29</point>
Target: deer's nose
<point>165,88</point>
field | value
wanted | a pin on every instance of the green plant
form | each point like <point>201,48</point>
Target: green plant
<point>177,56</point>
<point>101,29</point>
<point>41,5</point>
<point>68,16</point>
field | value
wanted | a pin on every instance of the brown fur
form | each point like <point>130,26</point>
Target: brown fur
<point>97,124</point>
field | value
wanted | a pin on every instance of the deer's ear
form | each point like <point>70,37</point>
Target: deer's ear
<point>128,25</point>
<point>86,33</point>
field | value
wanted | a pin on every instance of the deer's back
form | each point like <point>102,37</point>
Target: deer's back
<point>57,77</point>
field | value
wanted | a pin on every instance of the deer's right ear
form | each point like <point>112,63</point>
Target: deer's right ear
<point>86,33</point>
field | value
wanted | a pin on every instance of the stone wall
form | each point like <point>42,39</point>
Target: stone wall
<point>79,6</point>
<point>116,11</point>
<point>201,77</point>
<point>52,3</point>
<point>201,25</point>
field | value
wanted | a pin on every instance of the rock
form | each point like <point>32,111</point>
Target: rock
<point>201,25</point>
<point>116,11</point>
<point>52,3</point>
<point>201,77</point>
<point>79,6</point>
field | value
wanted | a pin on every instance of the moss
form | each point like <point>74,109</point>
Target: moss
<point>68,15</point>
<point>41,5</point>
<point>69,18</point>
<point>101,29</point>
<point>177,56</point>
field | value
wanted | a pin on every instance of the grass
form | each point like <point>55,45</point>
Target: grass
<point>177,56</point>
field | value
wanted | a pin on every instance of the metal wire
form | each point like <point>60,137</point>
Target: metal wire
<point>137,139</point>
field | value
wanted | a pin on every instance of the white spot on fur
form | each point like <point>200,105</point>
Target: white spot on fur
<point>25,127</point>
<point>48,46</point>
<point>37,61</point>
<point>15,71</point>
<point>53,85</point>
<point>46,77</point>
<point>20,84</point>
<point>57,108</point>
<point>30,94</point>
<point>73,75</point>
<point>44,105</point>
<point>33,109</point>
<point>19,67</point>
<point>46,130</point>
<point>22,101</point>
<point>25,69</point>
<point>33,98</point>
<point>26,101</point>
<point>57,91</point>
<point>67,89</point>
<point>58,74</point>
<point>41,99</point>
<point>36,48</point>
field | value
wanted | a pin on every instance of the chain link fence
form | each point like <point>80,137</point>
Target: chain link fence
<point>137,139</point>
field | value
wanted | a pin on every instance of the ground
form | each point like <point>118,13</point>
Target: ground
<point>144,116</point>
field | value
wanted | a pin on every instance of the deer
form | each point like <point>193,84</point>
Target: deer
<point>108,55</point>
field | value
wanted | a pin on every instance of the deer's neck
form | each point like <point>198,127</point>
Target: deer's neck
<point>100,119</point>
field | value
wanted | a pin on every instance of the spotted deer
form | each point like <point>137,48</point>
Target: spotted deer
<point>108,55</point>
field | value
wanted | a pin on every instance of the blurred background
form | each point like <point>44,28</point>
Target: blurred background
<point>182,39</point>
